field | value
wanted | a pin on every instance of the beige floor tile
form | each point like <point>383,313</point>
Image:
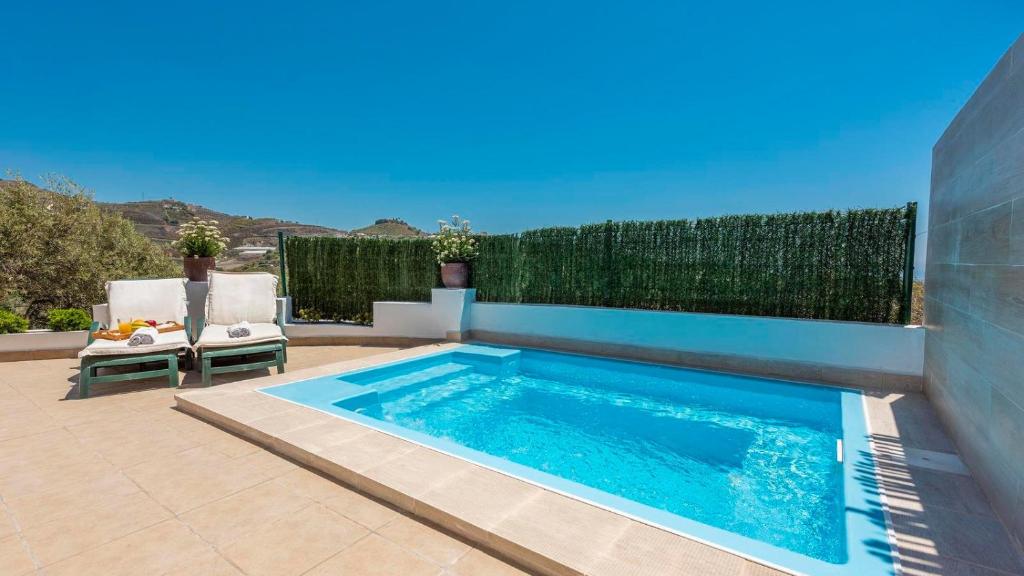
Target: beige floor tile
<point>376,556</point>
<point>78,532</point>
<point>367,451</point>
<point>565,530</point>
<point>311,485</point>
<point>207,564</point>
<point>54,476</point>
<point>647,551</point>
<point>193,478</point>
<point>43,507</point>
<point>294,544</point>
<point>477,563</point>
<point>14,558</point>
<point>480,496</point>
<point>226,520</point>
<point>416,472</point>
<point>362,509</point>
<point>25,423</point>
<point>159,549</point>
<point>7,526</point>
<point>428,542</point>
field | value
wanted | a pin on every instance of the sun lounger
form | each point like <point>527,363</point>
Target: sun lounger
<point>159,300</point>
<point>234,298</point>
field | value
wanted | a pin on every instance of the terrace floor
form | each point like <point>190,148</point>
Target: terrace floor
<point>122,483</point>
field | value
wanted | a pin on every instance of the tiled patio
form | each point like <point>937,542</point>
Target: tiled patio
<point>122,483</point>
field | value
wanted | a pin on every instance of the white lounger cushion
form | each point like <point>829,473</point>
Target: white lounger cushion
<point>234,297</point>
<point>216,335</point>
<point>159,300</point>
<point>176,340</point>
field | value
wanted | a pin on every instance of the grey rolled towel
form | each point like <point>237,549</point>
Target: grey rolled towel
<point>143,336</point>
<point>240,330</point>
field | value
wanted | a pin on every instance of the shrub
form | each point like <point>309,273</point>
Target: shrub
<point>69,319</point>
<point>11,323</point>
<point>58,248</point>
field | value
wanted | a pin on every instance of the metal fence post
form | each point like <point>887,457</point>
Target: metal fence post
<point>280,263</point>
<point>908,264</point>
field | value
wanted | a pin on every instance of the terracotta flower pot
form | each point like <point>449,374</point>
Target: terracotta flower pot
<point>455,274</point>
<point>198,267</point>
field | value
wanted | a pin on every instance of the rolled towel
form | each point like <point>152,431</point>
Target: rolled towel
<point>143,336</point>
<point>240,330</point>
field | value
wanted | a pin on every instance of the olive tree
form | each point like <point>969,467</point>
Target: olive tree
<point>58,248</point>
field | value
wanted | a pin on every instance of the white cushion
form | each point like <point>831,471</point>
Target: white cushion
<point>160,300</point>
<point>216,336</point>
<point>234,297</point>
<point>176,340</point>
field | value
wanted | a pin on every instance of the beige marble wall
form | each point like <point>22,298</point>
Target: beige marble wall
<point>974,348</point>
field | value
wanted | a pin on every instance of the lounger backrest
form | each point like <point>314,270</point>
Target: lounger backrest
<point>159,300</point>
<point>235,296</point>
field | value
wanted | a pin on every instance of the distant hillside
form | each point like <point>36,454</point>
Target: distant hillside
<point>160,219</point>
<point>389,227</point>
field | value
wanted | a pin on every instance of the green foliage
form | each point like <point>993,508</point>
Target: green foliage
<point>199,238</point>
<point>58,249</point>
<point>454,242</point>
<point>69,319</point>
<point>310,314</point>
<point>11,323</point>
<point>825,265</point>
<point>342,277</point>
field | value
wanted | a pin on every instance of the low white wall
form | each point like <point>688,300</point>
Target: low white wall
<point>38,340</point>
<point>445,314</point>
<point>878,347</point>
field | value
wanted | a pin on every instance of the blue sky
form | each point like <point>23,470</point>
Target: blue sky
<point>515,114</point>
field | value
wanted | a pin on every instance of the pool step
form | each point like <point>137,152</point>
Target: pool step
<point>422,379</point>
<point>401,385</point>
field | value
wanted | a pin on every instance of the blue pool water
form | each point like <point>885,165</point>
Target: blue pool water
<point>751,457</point>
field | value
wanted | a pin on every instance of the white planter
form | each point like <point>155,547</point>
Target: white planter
<point>37,340</point>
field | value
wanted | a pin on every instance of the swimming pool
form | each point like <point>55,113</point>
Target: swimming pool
<point>773,470</point>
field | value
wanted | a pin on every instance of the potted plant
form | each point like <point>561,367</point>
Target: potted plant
<point>455,249</point>
<point>199,242</point>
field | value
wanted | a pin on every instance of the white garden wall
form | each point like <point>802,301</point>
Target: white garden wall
<point>858,346</point>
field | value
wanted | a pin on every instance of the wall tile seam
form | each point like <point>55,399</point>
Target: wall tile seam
<point>932,226</point>
<point>1007,397</point>
<point>972,109</point>
<point>974,317</point>
<point>962,172</point>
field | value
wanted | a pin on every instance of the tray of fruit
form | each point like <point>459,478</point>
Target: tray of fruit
<point>124,329</point>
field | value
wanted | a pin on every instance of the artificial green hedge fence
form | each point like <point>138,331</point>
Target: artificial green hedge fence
<point>848,265</point>
<point>340,278</point>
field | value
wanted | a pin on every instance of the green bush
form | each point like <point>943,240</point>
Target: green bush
<point>58,248</point>
<point>69,319</point>
<point>11,323</point>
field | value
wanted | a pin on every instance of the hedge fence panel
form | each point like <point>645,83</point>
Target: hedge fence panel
<point>340,278</point>
<point>827,265</point>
